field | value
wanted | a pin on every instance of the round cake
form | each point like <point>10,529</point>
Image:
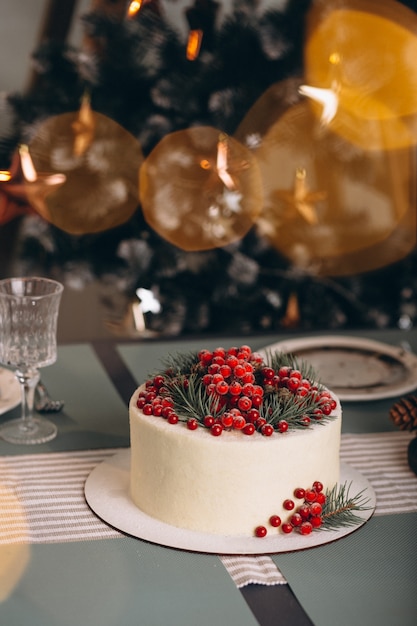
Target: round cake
<point>229,442</point>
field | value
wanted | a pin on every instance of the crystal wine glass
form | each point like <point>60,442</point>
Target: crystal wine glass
<point>28,324</point>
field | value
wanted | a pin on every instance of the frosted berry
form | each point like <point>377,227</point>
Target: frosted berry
<point>216,430</point>
<point>317,485</point>
<point>306,528</point>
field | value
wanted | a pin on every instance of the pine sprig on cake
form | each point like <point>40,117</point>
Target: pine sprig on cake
<point>237,389</point>
<point>339,509</point>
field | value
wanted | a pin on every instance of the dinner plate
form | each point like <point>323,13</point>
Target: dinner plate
<point>10,395</point>
<point>107,493</point>
<point>354,368</point>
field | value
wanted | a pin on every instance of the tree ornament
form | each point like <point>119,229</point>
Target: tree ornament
<point>200,189</point>
<point>100,161</point>
<point>23,189</point>
<point>372,87</point>
<point>330,208</point>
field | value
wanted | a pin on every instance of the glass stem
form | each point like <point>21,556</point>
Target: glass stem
<point>28,381</point>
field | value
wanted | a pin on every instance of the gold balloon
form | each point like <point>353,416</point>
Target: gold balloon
<point>331,207</point>
<point>100,161</point>
<point>200,189</point>
<point>362,55</point>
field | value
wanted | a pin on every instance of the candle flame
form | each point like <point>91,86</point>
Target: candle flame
<point>195,38</point>
<point>28,168</point>
<point>222,163</point>
<point>5,176</point>
<point>134,8</point>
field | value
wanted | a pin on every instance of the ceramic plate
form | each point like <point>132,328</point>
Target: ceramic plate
<point>355,368</point>
<point>9,390</point>
<point>107,493</point>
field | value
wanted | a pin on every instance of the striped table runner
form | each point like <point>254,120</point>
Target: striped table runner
<point>42,496</point>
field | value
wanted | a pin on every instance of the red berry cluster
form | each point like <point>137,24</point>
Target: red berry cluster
<point>238,385</point>
<point>304,518</point>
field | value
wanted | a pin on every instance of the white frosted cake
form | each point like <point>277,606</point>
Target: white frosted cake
<point>229,443</point>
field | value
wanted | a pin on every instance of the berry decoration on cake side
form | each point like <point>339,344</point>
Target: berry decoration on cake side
<point>319,511</point>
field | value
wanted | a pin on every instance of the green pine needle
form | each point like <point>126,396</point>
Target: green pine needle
<point>339,508</point>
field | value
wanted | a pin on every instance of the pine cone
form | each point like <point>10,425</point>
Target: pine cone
<point>404,413</point>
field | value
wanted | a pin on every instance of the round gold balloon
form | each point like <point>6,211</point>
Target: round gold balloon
<point>100,161</point>
<point>363,53</point>
<point>330,205</point>
<point>200,189</point>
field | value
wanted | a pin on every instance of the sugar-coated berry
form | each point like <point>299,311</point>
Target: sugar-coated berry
<point>321,497</point>
<point>310,495</point>
<point>275,521</point>
<point>306,528</point>
<point>216,429</point>
<point>316,508</point>
<point>267,430</point>
<point>317,485</point>
<point>260,531</point>
<point>208,421</point>
<point>296,519</point>
<point>316,521</point>
<point>282,426</point>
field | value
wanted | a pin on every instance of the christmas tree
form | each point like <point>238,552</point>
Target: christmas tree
<point>140,72</point>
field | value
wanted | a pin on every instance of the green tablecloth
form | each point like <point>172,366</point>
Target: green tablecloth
<point>123,582</point>
<point>369,578</point>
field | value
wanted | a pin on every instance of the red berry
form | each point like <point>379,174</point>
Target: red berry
<point>208,421</point>
<point>244,403</point>
<point>306,528</point>
<point>282,426</point>
<point>173,418</point>
<point>275,521</point>
<point>321,497</point>
<point>248,429</point>
<point>299,493</point>
<point>267,430</point>
<point>316,521</point>
<point>147,409</point>
<point>288,505</point>
<point>287,528</point>
<point>227,420</point>
<point>317,485</point>
<point>311,495</point>
<point>296,519</point>
<point>239,422</point>
<point>235,388</point>
<point>304,511</point>
<point>260,531</point>
<point>192,424</point>
<point>216,429</point>
<point>267,373</point>
<point>316,508</point>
